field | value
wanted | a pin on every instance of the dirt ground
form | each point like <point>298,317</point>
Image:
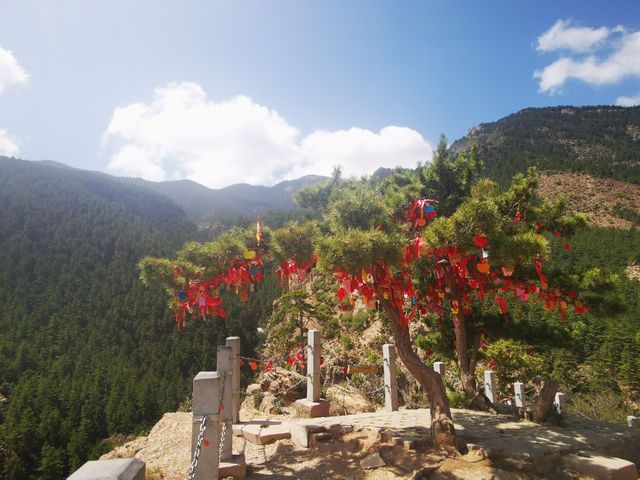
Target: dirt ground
<point>166,452</point>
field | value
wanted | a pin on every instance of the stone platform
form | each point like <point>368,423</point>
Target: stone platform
<point>522,445</point>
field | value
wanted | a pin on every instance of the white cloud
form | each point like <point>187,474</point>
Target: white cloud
<point>615,58</point>
<point>628,101</point>
<point>9,145</point>
<point>578,39</point>
<point>361,151</point>
<point>11,73</point>
<point>182,134</point>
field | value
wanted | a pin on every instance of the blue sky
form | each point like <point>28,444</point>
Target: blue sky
<point>259,91</point>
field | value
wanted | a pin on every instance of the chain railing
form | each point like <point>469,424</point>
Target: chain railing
<point>196,453</point>
<point>203,427</point>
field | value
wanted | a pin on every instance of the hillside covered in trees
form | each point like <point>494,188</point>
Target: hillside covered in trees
<point>600,140</point>
<point>87,351</point>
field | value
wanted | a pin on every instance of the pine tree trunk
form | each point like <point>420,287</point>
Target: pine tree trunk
<point>443,432</point>
<point>539,410</point>
<point>467,362</point>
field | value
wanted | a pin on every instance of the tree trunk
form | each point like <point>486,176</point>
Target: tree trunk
<point>539,410</point>
<point>442,429</point>
<point>467,363</point>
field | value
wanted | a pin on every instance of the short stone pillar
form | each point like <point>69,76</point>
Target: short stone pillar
<point>390,378</point>
<point>633,422</point>
<point>313,406</point>
<point>490,386</point>
<point>234,343</point>
<point>117,469</point>
<point>560,402</point>
<point>519,395</point>
<point>225,371</point>
<point>313,366</point>
<point>206,404</point>
<point>439,367</point>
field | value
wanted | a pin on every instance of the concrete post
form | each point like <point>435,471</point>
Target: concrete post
<point>206,402</point>
<point>313,366</point>
<point>633,422</point>
<point>520,397</point>
<point>490,386</point>
<point>225,370</point>
<point>439,367</point>
<point>390,378</point>
<point>560,402</point>
<point>234,343</point>
<point>117,469</point>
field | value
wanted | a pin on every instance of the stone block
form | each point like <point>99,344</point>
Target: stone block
<point>600,467</point>
<point>119,469</point>
<point>261,434</point>
<point>305,408</point>
<point>236,467</point>
<point>372,461</point>
<point>633,422</point>
<point>299,434</point>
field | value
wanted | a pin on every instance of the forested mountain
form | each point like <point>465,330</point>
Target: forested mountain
<point>601,140</point>
<point>86,350</point>
<point>240,199</point>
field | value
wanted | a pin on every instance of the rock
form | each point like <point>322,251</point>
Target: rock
<point>372,461</point>
<point>269,404</point>
<point>475,454</point>
<point>253,388</point>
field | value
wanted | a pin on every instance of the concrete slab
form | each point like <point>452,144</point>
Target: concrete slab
<point>601,467</point>
<point>236,468</point>
<point>119,469</point>
<point>237,427</point>
<point>307,409</point>
<point>261,434</point>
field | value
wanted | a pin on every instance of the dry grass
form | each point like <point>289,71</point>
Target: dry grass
<point>600,199</point>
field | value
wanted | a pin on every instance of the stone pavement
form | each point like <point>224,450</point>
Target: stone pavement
<point>522,445</point>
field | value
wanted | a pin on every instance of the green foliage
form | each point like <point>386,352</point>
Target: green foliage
<point>447,179</point>
<point>318,196</point>
<point>514,361</point>
<point>294,241</point>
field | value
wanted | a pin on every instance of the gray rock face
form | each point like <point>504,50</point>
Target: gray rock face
<point>372,461</point>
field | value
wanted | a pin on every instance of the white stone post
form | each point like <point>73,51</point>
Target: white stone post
<point>206,402</point>
<point>560,402</point>
<point>390,378</point>
<point>439,367</point>
<point>633,422</point>
<point>234,343</point>
<point>313,366</point>
<point>225,370</point>
<point>490,386</point>
<point>520,396</point>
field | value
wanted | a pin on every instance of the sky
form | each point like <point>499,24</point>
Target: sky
<point>225,92</point>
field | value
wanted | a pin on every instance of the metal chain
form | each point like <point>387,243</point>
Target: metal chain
<point>196,454</point>
<point>223,434</point>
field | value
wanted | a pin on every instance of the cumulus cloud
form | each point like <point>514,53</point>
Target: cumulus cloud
<point>628,101</point>
<point>595,56</point>
<point>11,73</point>
<point>9,145</point>
<point>579,39</point>
<point>183,134</point>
